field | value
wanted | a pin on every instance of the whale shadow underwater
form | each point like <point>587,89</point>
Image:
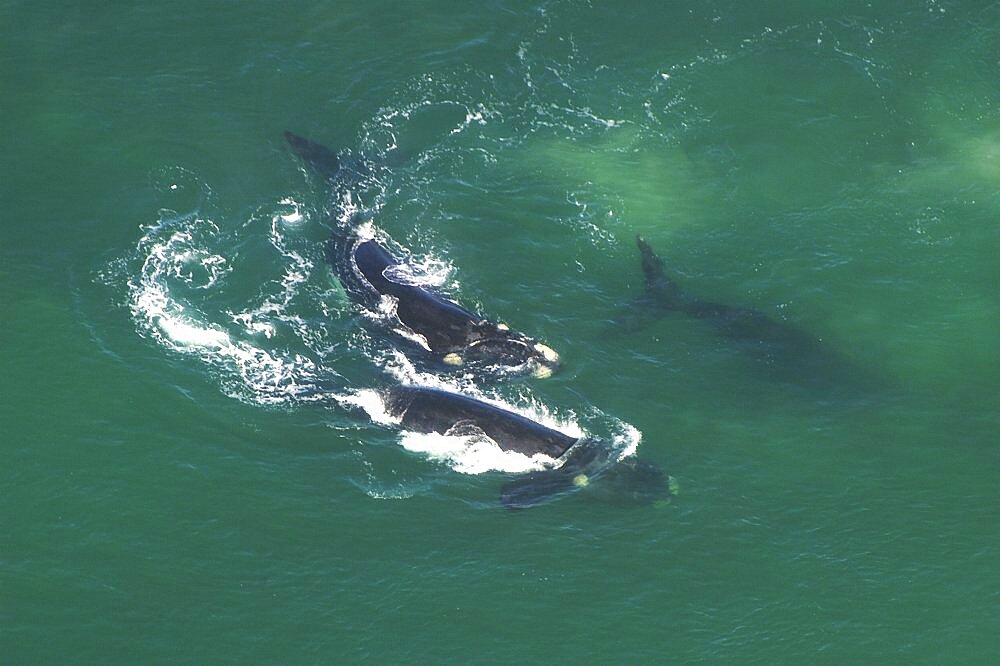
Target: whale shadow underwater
<point>779,349</point>
<point>583,463</point>
<point>447,335</point>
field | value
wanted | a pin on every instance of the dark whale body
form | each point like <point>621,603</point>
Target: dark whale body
<point>785,351</point>
<point>593,466</point>
<point>451,334</point>
<point>456,336</point>
<point>427,410</point>
<point>424,409</point>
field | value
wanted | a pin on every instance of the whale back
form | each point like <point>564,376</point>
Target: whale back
<point>428,410</point>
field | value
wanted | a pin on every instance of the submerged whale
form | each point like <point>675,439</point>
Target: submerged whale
<point>580,461</point>
<point>780,347</point>
<point>449,334</point>
<point>592,467</point>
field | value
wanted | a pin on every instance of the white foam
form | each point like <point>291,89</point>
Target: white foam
<point>472,454</point>
<point>370,401</point>
<point>477,116</point>
<point>190,335</point>
<point>412,336</point>
<point>425,272</point>
<point>297,270</point>
<point>397,494</point>
<point>627,440</point>
<point>293,217</point>
<point>365,231</point>
<point>181,327</point>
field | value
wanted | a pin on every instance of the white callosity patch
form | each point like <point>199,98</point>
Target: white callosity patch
<point>453,359</point>
<point>548,353</point>
<point>541,372</point>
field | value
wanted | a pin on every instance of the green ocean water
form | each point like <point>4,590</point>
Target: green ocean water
<point>176,487</point>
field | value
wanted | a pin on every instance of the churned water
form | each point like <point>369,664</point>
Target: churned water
<point>196,463</point>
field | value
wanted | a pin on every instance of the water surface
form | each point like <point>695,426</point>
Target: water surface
<point>176,488</point>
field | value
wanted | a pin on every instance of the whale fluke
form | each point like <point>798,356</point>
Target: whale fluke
<point>320,159</point>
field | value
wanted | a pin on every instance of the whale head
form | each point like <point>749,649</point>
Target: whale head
<point>595,468</point>
<point>498,346</point>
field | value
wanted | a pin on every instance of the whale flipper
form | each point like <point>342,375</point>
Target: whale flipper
<point>318,157</point>
<point>536,488</point>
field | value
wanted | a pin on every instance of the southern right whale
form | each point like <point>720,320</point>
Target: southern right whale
<point>592,465</point>
<point>581,461</point>
<point>425,409</point>
<point>449,334</point>
<point>780,347</point>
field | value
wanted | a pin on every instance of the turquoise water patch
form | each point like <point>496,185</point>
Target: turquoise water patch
<point>183,482</point>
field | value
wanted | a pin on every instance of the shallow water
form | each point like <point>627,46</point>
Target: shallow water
<point>182,482</point>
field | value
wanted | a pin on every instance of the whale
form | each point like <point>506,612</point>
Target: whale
<point>783,350</point>
<point>594,468</point>
<point>439,330</point>
<point>579,462</point>
<point>432,410</point>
